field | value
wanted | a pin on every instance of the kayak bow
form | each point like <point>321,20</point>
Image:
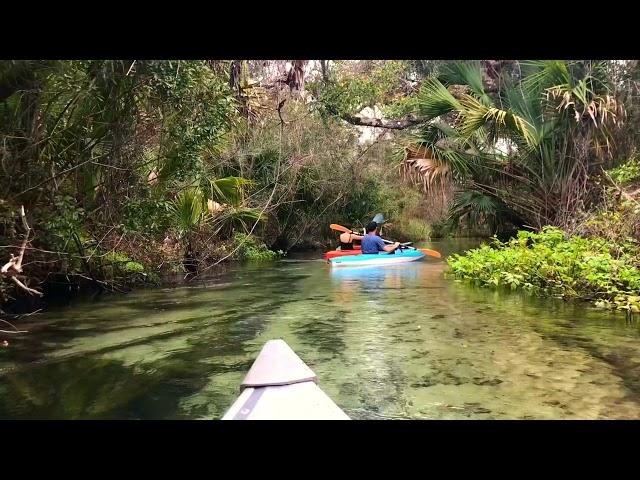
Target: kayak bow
<point>280,386</point>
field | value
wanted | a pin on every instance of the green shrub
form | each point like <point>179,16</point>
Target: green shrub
<point>59,228</point>
<point>249,248</point>
<point>115,264</point>
<point>441,229</point>
<point>409,229</point>
<point>147,214</point>
<point>626,172</point>
<point>551,263</point>
<point>133,267</point>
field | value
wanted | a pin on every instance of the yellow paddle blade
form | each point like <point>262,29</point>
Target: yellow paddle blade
<point>431,253</point>
<point>339,228</point>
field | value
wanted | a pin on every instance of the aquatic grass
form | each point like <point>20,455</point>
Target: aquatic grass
<point>551,263</point>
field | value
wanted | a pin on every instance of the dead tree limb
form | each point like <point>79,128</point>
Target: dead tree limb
<point>280,105</point>
<point>15,329</point>
<point>392,124</point>
<point>13,267</point>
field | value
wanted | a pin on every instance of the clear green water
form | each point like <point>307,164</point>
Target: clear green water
<point>391,342</point>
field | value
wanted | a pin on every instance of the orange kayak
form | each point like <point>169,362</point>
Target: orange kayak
<point>341,253</point>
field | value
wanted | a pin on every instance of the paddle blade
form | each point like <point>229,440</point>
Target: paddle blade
<point>379,219</point>
<point>339,228</point>
<point>431,253</point>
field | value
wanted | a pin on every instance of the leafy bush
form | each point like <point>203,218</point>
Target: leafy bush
<point>408,229</point>
<point>199,108</point>
<point>626,172</point>
<point>249,248</point>
<point>8,213</point>
<point>551,263</point>
<point>60,228</point>
<point>149,215</point>
<point>441,229</point>
<point>377,82</point>
<point>416,229</point>
<point>116,264</point>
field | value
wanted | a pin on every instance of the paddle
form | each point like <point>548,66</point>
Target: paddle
<point>379,219</point>
<point>426,251</point>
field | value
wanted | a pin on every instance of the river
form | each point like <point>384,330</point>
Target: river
<point>397,342</point>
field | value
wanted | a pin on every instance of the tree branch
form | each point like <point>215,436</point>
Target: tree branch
<point>25,288</point>
<point>280,105</point>
<point>396,124</point>
<point>15,263</point>
<point>15,330</point>
<point>14,266</point>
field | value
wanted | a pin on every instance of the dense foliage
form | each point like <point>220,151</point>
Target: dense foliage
<point>552,263</point>
<point>130,169</point>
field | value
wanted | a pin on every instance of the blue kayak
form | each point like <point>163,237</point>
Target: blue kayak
<point>382,258</point>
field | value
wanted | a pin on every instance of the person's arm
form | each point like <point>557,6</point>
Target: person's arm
<point>390,248</point>
<point>356,237</point>
<point>387,248</point>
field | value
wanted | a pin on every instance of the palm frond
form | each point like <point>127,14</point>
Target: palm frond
<point>229,189</point>
<point>188,209</point>
<point>524,103</point>
<point>545,74</point>
<point>434,100</point>
<point>478,208</point>
<point>430,165</point>
<point>233,218</point>
<point>434,132</point>
<point>465,73</point>
<point>499,122</point>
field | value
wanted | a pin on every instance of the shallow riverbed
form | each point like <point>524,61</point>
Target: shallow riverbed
<point>393,342</point>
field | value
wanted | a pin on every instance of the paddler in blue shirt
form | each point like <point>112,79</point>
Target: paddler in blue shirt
<point>372,244</point>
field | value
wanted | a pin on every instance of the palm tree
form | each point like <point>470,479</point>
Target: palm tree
<point>522,154</point>
<point>223,210</point>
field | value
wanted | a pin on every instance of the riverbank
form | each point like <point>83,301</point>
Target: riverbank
<point>127,269</point>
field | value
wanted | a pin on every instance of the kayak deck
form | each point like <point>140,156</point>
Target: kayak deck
<point>300,401</point>
<point>280,386</point>
<point>383,258</point>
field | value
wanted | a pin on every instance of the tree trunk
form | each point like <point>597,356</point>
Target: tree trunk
<point>234,75</point>
<point>324,65</point>
<point>295,77</point>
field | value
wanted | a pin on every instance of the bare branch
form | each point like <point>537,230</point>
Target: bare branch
<point>27,228</point>
<point>396,124</point>
<point>14,266</point>
<point>25,288</point>
<point>280,105</point>
<point>15,329</point>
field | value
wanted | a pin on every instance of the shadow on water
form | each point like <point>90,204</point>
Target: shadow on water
<point>400,341</point>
